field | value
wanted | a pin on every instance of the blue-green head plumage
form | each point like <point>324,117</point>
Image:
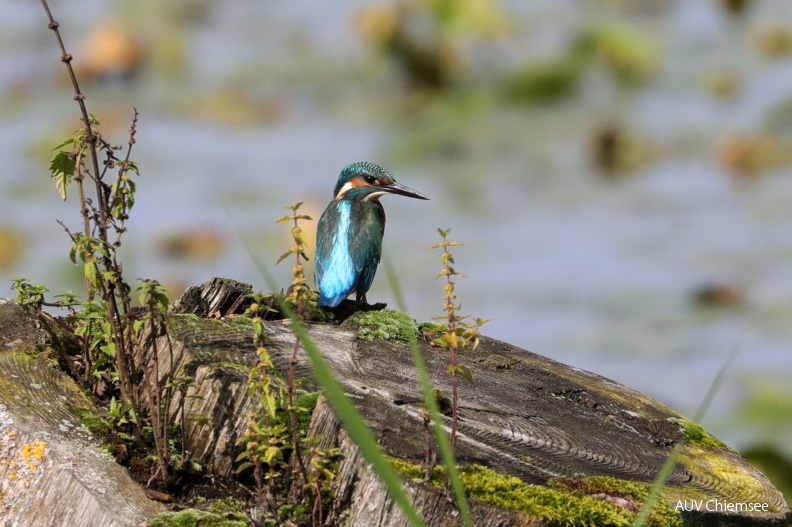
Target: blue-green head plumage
<point>349,233</point>
<point>361,169</point>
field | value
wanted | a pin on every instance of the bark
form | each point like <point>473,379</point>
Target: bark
<point>52,471</point>
<point>523,415</point>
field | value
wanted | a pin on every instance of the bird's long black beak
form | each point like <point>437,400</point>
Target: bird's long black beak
<point>398,188</point>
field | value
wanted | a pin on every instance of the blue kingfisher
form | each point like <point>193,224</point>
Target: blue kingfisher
<point>349,234</point>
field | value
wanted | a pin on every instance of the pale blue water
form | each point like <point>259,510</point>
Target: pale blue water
<point>592,272</point>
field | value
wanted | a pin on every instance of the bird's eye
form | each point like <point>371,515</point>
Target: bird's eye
<point>369,179</point>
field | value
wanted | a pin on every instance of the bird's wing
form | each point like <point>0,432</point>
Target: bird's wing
<point>333,266</point>
<point>366,243</point>
<point>324,244</point>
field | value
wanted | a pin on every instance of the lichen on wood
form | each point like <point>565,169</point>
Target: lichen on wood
<point>529,421</point>
<point>524,416</point>
<point>52,469</point>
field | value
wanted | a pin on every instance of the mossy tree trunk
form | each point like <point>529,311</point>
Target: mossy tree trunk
<point>563,434</point>
<point>52,470</point>
<point>523,415</point>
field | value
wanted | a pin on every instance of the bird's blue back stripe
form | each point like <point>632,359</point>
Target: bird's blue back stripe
<point>339,274</point>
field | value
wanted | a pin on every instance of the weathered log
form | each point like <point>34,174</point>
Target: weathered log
<point>52,470</point>
<point>524,415</point>
<point>217,298</point>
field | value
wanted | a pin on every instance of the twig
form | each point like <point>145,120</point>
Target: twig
<point>108,286</point>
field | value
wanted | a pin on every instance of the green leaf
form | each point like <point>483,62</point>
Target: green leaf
<point>73,253</point>
<point>431,396</point>
<point>272,453</point>
<point>67,297</point>
<point>109,349</point>
<point>117,211</point>
<point>350,417</point>
<point>465,372</point>
<point>440,342</point>
<point>72,141</point>
<point>162,302</point>
<point>284,256</point>
<point>91,273</point>
<point>62,171</point>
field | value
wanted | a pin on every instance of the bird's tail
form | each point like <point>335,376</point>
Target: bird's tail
<point>330,301</point>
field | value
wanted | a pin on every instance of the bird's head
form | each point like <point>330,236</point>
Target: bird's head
<point>365,181</point>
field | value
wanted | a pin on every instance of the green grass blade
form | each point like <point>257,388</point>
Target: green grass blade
<point>443,441</point>
<point>354,424</point>
<point>717,382</point>
<point>345,410</point>
<point>662,476</point>
<point>658,484</point>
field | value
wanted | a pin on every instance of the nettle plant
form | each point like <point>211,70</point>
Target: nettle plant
<point>98,338</point>
<point>102,321</point>
<point>457,332</point>
<point>292,475</point>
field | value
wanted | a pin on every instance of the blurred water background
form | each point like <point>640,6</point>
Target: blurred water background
<point>618,171</point>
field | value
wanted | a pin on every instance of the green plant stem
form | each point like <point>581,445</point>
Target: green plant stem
<point>108,293</point>
<point>452,350</point>
<point>343,407</point>
<point>443,443</point>
<point>296,443</point>
<point>668,467</point>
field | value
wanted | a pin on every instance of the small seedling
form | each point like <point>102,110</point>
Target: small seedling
<point>456,333</point>
<point>299,294</point>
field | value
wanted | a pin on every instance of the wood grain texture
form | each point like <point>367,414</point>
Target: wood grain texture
<point>534,418</point>
<point>524,415</point>
<point>52,471</point>
<point>361,499</point>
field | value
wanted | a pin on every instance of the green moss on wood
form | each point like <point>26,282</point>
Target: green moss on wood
<point>774,464</point>
<point>698,436</point>
<point>226,512</point>
<point>241,321</point>
<point>709,463</point>
<point>190,320</point>
<point>387,324</point>
<point>305,406</point>
<point>206,326</point>
<point>561,503</point>
<point>199,518</point>
<point>230,365</point>
<point>96,425</point>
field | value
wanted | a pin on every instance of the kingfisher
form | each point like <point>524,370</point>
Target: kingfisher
<point>349,234</point>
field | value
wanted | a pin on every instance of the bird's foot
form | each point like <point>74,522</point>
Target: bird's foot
<point>364,306</point>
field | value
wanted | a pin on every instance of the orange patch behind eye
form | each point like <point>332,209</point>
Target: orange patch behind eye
<point>357,182</point>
